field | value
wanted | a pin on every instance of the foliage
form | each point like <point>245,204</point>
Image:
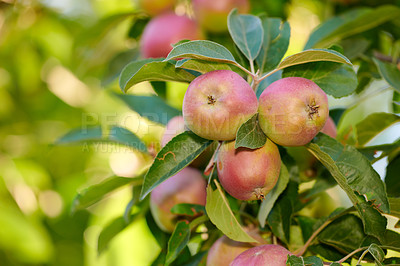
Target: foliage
<point>346,55</point>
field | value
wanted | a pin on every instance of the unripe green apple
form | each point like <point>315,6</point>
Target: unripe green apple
<point>217,103</point>
<point>292,111</point>
<point>176,126</point>
<point>225,250</point>
<point>156,7</point>
<point>187,186</point>
<point>248,174</point>
<point>163,31</point>
<point>212,14</point>
<point>266,255</point>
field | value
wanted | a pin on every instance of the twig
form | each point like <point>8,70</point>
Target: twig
<point>362,256</point>
<point>386,58</point>
<point>351,254</point>
<point>245,70</point>
<point>268,74</point>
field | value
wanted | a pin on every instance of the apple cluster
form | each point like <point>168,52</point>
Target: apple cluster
<point>167,28</point>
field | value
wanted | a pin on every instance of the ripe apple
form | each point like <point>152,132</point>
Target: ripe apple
<point>225,250</point>
<point>248,174</point>
<point>217,103</point>
<point>156,7</point>
<point>163,31</point>
<point>292,111</point>
<point>176,126</point>
<point>212,14</point>
<point>187,186</point>
<point>266,255</point>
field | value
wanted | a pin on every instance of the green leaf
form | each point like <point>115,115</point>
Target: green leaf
<point>280,217</point>
<point>95,193</point>
<point>351,23</point>
<point>390,73</point>
<point>355,175</point>
<point>203,50</point>
<point>178,241</point>
<point>391,240</point>
<point>222,217</point>
<point>307,261</point>
<point>151,107</point>
<point>372,125</point>
<point>371,151</point>
<point>350,169</point>
<point>395,207</point>
<point>188,209</point>
<point>275,43</point>
<point>335,79</point>
<point>345,233</point>
<point>392,260</point>
<point>250,135</point>
<point>396,102</point>
<point>204,66</point>
<point>246,32</point>
<point>272,196</point>
<point>116,134</point>
<point>374,222</point>
<point>314,55</point>
<point>80,135</point>
<point>392,178</point>
<point>173,157</point>
<point>377,253</point>
<point>112,229</point>
<point>152,70</point>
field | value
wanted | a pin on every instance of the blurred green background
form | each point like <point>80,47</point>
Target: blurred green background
<point>59,60</point>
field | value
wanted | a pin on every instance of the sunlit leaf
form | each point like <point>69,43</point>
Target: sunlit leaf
<point>222,217</point>
<point>372,125</point>
<point>350,23</point>
<point>204,50</point>
<point>306,261</point>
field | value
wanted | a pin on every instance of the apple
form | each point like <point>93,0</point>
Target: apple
<point>225,250</point>
<point>212,15</point>
<point>217,103</point>
<point>266,255</point>
<point>248,174</point>
<point>156,7</point>
<point>187,186</point>
<point>330,128</point>
<point>163,31</point>
<point>292,111</point>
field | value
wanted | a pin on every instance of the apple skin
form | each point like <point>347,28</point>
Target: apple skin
<point>225,250</point>
<point>292,111</point>
<point>163,31</point>
<point>176,126</point>
<point>217,103</point>
<point>156,7</point>
<point>330,128</point>
<point>212,14</point>
<point>187,186</point>
<point>266,255</point>
<point>248,174</point>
